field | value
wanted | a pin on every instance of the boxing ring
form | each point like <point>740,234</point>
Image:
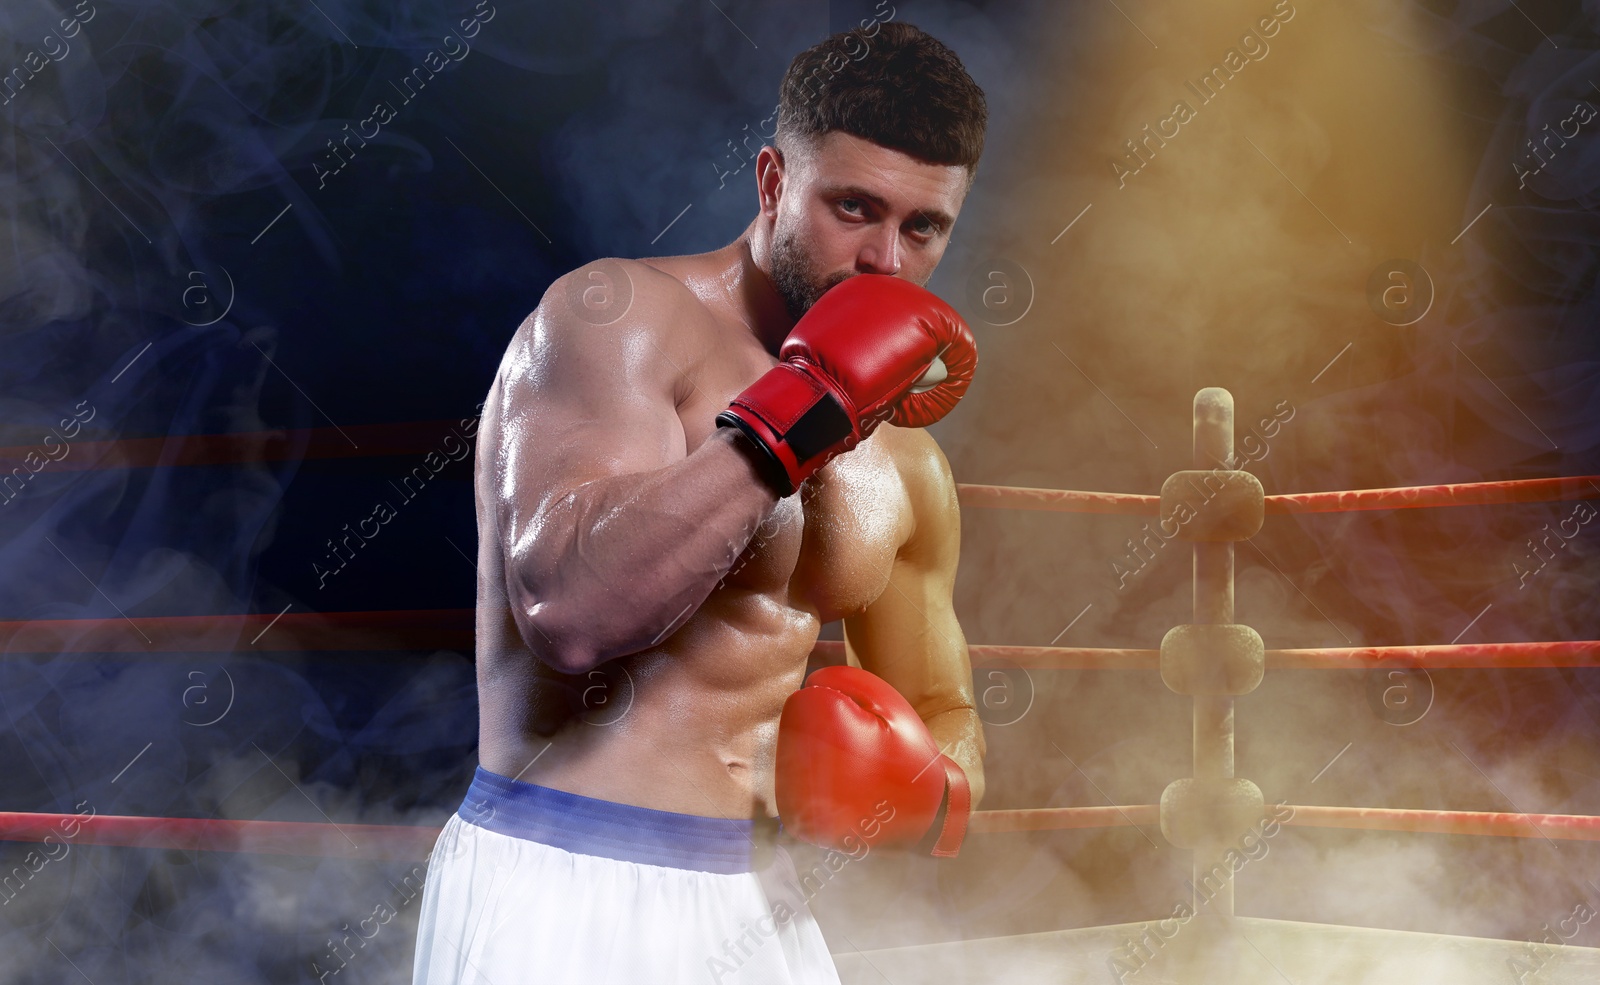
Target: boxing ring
<point>1213,660</point>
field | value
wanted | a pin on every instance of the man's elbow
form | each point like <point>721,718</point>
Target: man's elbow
<point>554,641</point>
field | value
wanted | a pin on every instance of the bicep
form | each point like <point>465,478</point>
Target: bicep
<point>909,636</point>
<point>578,403</point>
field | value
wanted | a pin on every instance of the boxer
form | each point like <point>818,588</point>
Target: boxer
<point>686,466</point>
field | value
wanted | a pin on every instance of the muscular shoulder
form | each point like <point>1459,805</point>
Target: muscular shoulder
<point>612,292</point>
<point>611,320</point>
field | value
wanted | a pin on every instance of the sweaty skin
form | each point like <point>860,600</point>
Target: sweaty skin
<point>645,601</point>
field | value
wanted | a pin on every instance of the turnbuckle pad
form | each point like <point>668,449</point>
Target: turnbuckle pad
<point>1212,659</point>
<point>1212,505</point>
<point>1207,812</point>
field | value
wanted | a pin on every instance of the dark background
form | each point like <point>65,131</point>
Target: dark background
<point>153,158</point>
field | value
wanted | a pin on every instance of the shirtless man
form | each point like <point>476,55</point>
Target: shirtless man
<point>652,578</point>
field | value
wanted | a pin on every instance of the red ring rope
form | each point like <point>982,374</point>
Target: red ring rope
<point>1055,500</point>
<point>1460,656</point>
<point>352,441</point>
<point>1565,827</point>
<point>389,630</point>
<point>422,437</point>
<point>1457,494</point>
<point>390,841</point>
<point>372,841</point>
<point>1396,498</point>
<point>384,629</point>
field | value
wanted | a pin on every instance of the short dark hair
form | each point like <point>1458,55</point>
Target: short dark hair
<point>899,87</point>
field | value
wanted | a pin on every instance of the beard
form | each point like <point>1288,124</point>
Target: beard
<point>796,279</point>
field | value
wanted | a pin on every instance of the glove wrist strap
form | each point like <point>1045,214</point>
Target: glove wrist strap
<point>797,421</point>
<point>958,809</point>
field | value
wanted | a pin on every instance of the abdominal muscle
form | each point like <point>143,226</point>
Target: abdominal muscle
<point>689,726</point>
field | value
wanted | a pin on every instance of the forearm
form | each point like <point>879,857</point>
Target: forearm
<point>638,553</point>
<point>959,734</point>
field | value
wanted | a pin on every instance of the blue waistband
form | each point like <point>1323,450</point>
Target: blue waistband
<point>587,826</point>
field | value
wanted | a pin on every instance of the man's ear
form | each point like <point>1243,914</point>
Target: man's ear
<point>769,179</point>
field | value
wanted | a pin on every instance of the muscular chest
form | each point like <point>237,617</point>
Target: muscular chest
<point>829,547</point>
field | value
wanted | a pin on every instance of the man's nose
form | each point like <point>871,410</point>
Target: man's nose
<point>881,255</point>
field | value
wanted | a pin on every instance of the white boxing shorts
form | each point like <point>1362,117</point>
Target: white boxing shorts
<point>528,885</point>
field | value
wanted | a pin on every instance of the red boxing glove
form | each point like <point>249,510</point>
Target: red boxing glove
<point>855,761</point>
<point>849,363</point>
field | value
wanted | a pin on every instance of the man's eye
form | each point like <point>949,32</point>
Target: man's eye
<point>925,227</point>
<point>851,205</point>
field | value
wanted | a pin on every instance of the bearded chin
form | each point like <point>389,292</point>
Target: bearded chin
<point>793,279</point>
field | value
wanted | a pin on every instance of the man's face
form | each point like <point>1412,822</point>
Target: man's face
<point>847,206</point>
